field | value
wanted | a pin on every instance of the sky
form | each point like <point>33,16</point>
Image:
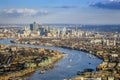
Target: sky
<point>60,11</point>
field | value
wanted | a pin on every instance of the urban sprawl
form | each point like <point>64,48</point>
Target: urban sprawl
<point>16,60</point>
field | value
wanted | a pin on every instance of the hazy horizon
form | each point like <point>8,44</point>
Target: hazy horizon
<point>60,11</point>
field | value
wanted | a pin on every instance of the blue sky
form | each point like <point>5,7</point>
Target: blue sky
<point>60,11</point>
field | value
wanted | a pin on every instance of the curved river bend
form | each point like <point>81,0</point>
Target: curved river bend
<point>66,67</point>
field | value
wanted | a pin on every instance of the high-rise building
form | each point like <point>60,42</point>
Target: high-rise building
<point>31,27</point>
<point>34,26</point>
<point>64,31</point>
<point>107,42</point>
<point>58,33</point>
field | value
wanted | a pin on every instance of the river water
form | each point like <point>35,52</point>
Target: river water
<point>66,67</point>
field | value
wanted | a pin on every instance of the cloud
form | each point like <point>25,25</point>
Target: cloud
<point>115,0</point>
<point>23,12</point>
<point>109,4</point>
<point>65,7</point>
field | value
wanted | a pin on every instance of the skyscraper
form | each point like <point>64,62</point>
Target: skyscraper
<point>34,26</point>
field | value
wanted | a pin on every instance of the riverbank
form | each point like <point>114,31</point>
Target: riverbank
<point>26,71</point>
<point>109,54</point>
<point>57,43</point>
<point>27,63</point>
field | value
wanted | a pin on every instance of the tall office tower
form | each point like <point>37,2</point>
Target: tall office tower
<point>54,32</point>
<point>58,33</point>
<point>34,26</point>
<point>102,42</point>
<point>107,42</point>
<point>78,33</point>
<point>115,39</point>
<point>39,26</point>
<point>114,42</point>
<point>31,27</point>
<point>49,28</point>
<point>64,31</point>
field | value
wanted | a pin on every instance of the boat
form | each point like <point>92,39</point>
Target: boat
<point>70,60</point>
<point>91,56</point>
<point>42,71</point>
<point>88,70</point>
<point>68,66</point>
<point>80,73</point>
<point>89,63</point>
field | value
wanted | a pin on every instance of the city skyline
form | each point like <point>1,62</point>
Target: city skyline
<point>60,11</point>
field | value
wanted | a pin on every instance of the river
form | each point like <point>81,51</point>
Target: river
<point>66,67</point>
